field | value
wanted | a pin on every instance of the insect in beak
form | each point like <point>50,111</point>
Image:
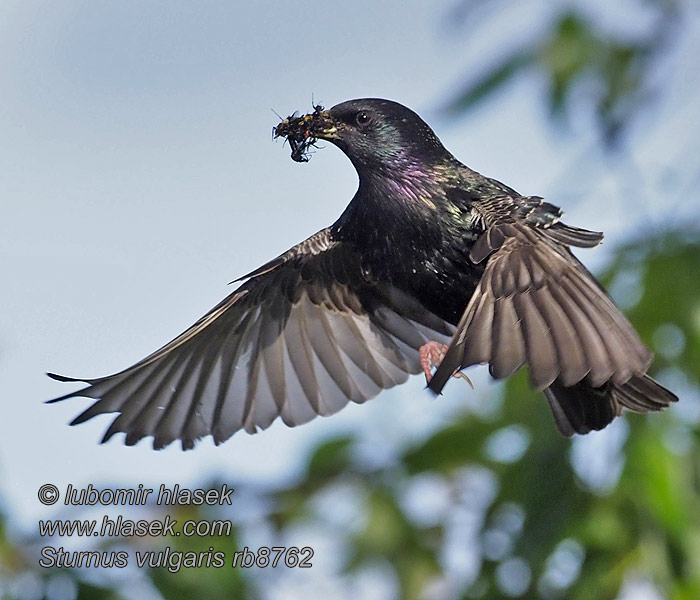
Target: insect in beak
<point>303,132</point>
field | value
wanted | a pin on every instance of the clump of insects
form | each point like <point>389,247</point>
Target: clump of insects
<point>298,131</point>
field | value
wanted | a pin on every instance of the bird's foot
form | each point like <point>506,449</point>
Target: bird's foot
<point>431,355</point>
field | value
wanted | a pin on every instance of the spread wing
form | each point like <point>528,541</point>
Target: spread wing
<point>536,304</point>
<point>306,334</point>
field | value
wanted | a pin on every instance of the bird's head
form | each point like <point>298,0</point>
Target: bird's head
<point>375,134</point>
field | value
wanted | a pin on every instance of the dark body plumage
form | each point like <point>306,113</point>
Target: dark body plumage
<point>427,249</point>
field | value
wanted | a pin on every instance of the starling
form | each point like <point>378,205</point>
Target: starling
<point>430,265</point>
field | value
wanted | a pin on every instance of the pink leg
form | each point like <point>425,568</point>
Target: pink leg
<point>431,355</point>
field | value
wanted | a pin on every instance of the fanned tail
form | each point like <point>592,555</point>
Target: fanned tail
<point>581,408</point>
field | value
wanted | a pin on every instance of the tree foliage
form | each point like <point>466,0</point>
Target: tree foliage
<point>579,57</point>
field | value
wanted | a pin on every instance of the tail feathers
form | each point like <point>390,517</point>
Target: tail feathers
<point>643,394</point>
<point>582,408</point>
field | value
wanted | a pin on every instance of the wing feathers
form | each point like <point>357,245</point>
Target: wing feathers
<point>541,351</point>
<point>480,347</point>
<point>572,361</point>
<point>224,419</point>
<point>538,305</point>
<point>573,236</point>
<point>300,356</point>
<point>303,337</point>
<point>508,343</point>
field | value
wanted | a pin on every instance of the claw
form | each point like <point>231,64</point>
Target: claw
<point>431,355</point>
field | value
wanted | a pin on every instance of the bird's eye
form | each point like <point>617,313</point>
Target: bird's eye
<point>362,118</point>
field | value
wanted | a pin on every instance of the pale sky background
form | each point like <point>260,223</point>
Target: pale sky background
<point>138,177</point>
